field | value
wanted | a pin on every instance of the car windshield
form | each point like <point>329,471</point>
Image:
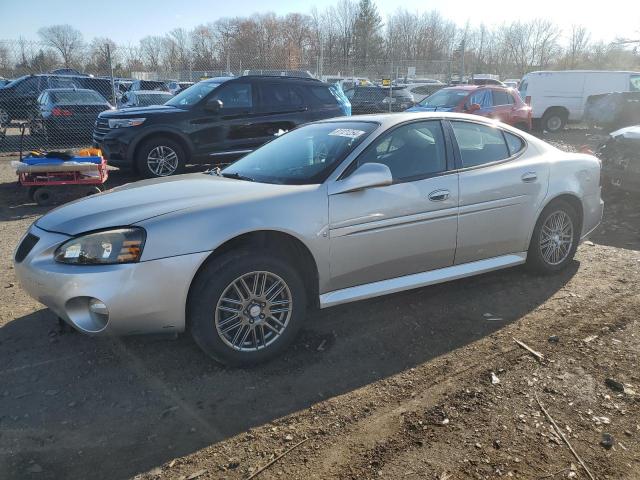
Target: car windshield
<point>146,100</point>
<point>444,99</point>
<point>77,98</point>
<point>303,156</point>
<point>193,94</point>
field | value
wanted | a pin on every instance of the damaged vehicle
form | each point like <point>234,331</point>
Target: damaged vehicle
<point>612,111</point>
<point>620,156</point>
<point>334,211</point>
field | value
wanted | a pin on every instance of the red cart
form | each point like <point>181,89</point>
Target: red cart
<point>45,178</point>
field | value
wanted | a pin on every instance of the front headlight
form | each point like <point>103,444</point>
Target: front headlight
<point>122,245</point>
<point>125,122</point>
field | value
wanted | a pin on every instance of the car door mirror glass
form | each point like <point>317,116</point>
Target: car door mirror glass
<point>214,105</point>
<point>367,175</point>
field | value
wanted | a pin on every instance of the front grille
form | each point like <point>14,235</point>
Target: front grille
<point>25,247</point>
<point>101,129</point>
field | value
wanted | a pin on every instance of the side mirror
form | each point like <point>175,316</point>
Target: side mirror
<point>214,105</point>
<point>473,108</point>
<point>366,176</point>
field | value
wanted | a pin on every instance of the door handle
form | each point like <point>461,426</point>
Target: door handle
<point>529,177</point>
<point>439,195</point>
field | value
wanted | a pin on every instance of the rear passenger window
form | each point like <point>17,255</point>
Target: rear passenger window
<point>514,143</point>
<point>501,98</point>
<point>321,95</point>
<point>280,95</point>
<point>479,144</point>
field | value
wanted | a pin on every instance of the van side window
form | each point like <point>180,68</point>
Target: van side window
<point>479,144</point>
<point>634,83</point>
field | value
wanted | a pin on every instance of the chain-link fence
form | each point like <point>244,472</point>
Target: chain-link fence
<point>52,97</point>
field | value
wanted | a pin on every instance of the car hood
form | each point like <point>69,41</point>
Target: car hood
<point>419,108</point>
<point>135,202</point>
<point>130,112</point>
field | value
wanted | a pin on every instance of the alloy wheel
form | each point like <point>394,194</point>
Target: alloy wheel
<point>554,123</point>
<point>556,237</point>
<point>253,311</point>
<point>162,161</point>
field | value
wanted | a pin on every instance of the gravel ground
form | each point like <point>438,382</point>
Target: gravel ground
<point>396,387</point>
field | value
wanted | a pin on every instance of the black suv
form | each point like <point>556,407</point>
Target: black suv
<point>18,98</point>
<point>213,121</point>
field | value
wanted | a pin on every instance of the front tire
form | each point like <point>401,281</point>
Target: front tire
<point>554,121</point>
<point>555,238</point>
<point>246,308</point>
<point>160,157</point>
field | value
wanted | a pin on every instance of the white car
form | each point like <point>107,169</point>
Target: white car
<point>420,91</point>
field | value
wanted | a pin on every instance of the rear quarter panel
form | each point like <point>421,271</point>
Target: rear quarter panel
<point>578,175</point>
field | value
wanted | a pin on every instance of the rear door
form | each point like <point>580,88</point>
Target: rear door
<point>407,227</point>
<point>482,97</point>
<point>281,107</point>
<point>233,130</point>
<point>502,184</point>
<point>502,106</point>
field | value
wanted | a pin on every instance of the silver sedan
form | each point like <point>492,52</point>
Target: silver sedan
<point>332,212</point>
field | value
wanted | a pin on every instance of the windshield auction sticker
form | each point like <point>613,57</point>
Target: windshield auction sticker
<point>347,132</point>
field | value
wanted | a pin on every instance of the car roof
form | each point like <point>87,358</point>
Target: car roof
<point>149,92</point>
<point>53,90</point>
<point>389,119</point>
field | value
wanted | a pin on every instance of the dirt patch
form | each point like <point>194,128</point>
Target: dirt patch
<point>399,388</point>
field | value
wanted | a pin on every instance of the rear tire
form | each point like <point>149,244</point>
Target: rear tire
<point>160,157</point>
<point>231,312</point>
<point>555,238</point>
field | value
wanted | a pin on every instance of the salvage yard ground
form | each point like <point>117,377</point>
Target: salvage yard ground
<point>398,387</point>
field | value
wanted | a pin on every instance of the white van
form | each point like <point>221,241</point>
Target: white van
<point>557,97</point>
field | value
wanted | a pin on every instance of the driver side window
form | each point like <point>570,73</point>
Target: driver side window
<point>235,95</point>
<point>411,151</point>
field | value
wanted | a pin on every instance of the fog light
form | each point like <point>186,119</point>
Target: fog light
<point>98,307</point>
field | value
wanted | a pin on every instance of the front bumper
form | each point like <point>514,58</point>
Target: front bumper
<point>144,297</point>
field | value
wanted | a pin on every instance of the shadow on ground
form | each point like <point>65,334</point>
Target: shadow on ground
<point>82,407</point>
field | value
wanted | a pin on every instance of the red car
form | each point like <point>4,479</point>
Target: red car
<point>490,101</point>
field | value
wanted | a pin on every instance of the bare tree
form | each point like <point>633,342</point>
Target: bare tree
<point>102,51</point>
<point>151,48</point>
<point>65,39</point>
<point>578,43</point>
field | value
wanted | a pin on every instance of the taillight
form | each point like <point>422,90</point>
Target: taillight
<point>61,112</point>
<point>527,100</point>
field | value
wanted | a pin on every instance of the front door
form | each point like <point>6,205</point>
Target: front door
<point>502,186</point>
<point>232,130</point>
<point>407,227</point>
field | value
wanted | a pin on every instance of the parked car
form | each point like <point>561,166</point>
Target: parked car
<point>558,97</point>
<point>512,83</point>
<point>332,212</point>
<point>420,91</point>
<point>18,98</point>
<point>177,87</point>
<point>501,103</point>
<point>67,112</point>
<point>148,85</point>
<point>374,99</point>
<point>620,155</point>
<point>213,121</point>
<point>612,111</point>
<point>144,98</point>
<point>486,79</point>
<point>3,81</point>
<point>67,71</point>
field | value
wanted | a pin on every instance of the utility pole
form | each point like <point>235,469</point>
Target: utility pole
<point>462,47</point>
<point>113,82</point>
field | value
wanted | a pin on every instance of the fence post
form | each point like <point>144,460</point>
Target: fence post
<point>113,82</point>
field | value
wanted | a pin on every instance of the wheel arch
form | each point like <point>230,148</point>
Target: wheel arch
<point>571,198</point>
<point>557,108</point>
<point>178,137</point>
<point>275,242</point>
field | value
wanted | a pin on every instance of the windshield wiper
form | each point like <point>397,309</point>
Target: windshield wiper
<point>237,176</point>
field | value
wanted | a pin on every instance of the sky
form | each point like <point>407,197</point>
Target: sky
<point>126,22</point>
